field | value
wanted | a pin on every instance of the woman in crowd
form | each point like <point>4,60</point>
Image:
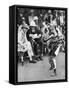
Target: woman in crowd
<point>23,44</point>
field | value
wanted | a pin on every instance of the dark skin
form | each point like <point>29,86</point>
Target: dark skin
<point>33,30</point>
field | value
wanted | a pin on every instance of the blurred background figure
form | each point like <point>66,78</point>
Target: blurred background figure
<point>31,16</point>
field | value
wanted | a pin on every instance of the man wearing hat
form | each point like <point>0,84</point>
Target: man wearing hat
<point>34,36</point>
<point>36,22</point>
<point>24,24</point>
<point>55,44</point>
<point>31,17</point>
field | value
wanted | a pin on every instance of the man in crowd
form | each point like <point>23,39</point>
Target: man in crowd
<point>55,44</point>
<point>34,36</point>
<point>45,35</point>
<point>37,22</point>
<point>31,17</point>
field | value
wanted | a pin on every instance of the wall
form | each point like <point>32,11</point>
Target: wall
<point>4,44</point>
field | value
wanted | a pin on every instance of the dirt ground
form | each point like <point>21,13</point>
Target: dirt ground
<point>40,70</point>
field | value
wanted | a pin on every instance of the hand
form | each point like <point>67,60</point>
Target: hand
<point>30,35</point>
<point>39,36</point>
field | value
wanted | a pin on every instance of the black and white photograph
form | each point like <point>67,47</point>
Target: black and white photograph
<point>41,44</point>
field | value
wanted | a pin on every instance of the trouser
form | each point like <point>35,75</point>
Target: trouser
<point>45,49</point>
<point>38,48</point>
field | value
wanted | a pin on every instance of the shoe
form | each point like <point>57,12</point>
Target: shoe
<point>55,72</point>
<point>52,75</point>
<point>22,63</point>
<point>32,61</point>
<point>50,68</point>
<point>37,59</point>
<point>41,58</point>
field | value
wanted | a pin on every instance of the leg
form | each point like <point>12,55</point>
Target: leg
<point>30,53</point>
<point>36,53</point>
<point>54,69</point>
<point>40,48</point>
<point>21,57</point>
<point>51,63</point>
<point>22,61</point>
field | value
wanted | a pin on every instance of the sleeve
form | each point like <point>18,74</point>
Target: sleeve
<point>27,34</point>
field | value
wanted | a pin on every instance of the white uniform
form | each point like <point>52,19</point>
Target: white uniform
<point>23,44</point>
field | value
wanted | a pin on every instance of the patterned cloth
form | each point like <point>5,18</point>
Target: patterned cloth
<point>23,44</point>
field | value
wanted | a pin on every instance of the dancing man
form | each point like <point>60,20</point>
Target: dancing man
<point>55,44</point>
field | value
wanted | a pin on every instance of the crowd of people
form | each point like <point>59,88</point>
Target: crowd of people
<point>41,32</point>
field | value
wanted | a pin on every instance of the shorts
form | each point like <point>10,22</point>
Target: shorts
<point>52,51</point>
